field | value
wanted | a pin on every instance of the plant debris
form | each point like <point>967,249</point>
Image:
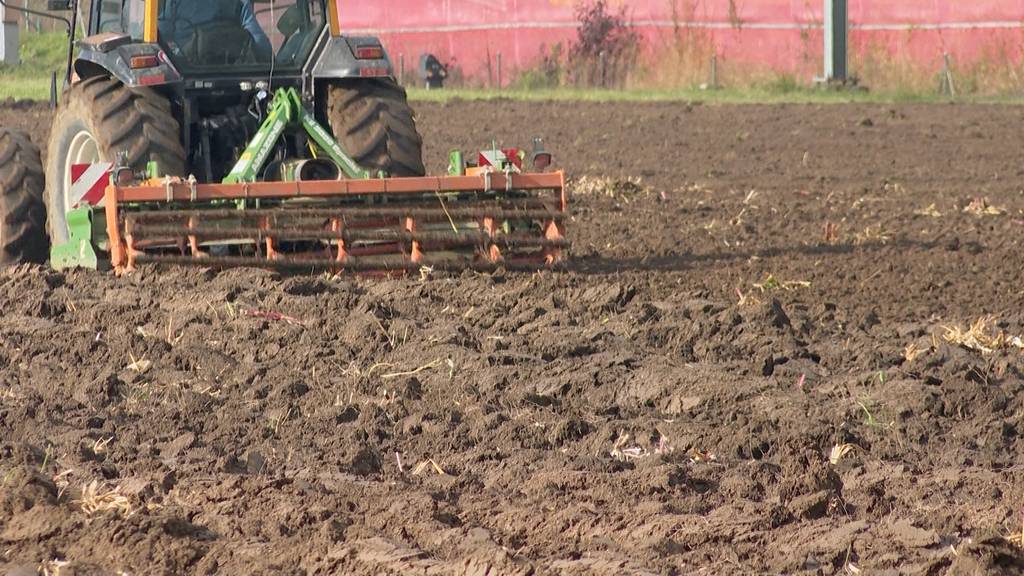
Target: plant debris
<point>425,465</point>
<point>981,336</point>
<point>981,207</point>
<point>97,499</point>
<point>931,211</point>
<point>838,452</point>
<point>771,284</point>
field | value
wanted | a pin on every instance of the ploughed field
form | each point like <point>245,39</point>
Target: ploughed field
<point>787,342</point>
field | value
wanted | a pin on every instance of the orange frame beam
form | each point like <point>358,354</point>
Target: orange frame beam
<point>182,192</point>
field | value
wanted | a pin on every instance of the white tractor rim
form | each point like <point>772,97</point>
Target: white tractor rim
<point>83,150</point>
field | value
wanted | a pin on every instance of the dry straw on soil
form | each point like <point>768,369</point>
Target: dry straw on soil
<point>981,207</point>
<point>981,336</point>
<point>98,499</point>
<point>606,186</point>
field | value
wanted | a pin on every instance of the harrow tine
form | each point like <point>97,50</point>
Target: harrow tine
<point>338,227</point>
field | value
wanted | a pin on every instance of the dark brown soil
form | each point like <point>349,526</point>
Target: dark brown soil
<point>648,411</point>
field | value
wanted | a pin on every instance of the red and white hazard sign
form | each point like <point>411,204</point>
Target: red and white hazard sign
<point>496,158</point>
<point>88,182</point>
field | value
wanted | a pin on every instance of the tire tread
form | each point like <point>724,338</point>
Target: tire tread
<point>22,212</point>
<point>374,123</point>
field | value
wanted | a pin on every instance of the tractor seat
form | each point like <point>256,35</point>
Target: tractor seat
<point>290,27</point>
<point>218,43</point>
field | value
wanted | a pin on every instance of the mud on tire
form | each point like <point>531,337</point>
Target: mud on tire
<point>373,122</point>
<point>22,213</point>
<point>138,122</point>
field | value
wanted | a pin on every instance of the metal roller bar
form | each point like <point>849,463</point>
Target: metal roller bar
<point>457,213</point>
<point>467,238</point>
<point>357,265</point>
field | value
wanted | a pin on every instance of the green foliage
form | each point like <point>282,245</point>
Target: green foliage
<point>533,79</point>
<point>782,84</point>
<point>546,75</point>
<point>41,54</point>
<point>24,88</point>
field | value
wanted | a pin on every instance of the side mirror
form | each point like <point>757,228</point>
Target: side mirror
<point>58,5</point>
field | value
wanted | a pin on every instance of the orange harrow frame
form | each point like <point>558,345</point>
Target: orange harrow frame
<point>387,225</point>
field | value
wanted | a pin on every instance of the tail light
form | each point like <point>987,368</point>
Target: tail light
<point>373,72</point>
<point>369,52</point>
<point>139,62</point>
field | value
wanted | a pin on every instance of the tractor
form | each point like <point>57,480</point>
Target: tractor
<point>255,132</point>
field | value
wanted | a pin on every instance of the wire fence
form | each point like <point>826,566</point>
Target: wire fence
<point>30,22</point>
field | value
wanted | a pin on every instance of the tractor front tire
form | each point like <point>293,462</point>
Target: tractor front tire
<point>22,213</point>
<point>374,124</point>
<point>100,119</point>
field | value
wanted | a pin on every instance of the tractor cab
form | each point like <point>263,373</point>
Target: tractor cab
<point>220,36</point>
<point>215,61</point>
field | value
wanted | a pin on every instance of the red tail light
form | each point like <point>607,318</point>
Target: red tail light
<point>369,52</point>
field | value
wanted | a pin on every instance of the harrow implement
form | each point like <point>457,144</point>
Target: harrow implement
<point>382,225</point>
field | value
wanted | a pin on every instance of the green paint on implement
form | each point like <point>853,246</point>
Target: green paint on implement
<point>78,251</point>
<point>456,163</point>
<point>287,111</point>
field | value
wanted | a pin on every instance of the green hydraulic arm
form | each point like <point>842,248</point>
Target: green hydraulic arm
<point>286,111</point>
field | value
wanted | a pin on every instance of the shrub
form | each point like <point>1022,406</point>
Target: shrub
<point>606,48</point>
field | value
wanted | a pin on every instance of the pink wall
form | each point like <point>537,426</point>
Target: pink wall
<point>782,34</point>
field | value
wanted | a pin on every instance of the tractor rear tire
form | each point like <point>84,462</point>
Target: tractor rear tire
<point>374,124</point>
<point>22,213</point>
<point>101,118</point>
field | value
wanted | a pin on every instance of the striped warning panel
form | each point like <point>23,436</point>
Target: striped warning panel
<point>88,181</point>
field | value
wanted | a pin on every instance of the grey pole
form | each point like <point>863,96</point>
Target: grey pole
<point>837,28</point>
<point>499,70</point>
<point>714,70</point>
<point>604,68</point>
<point>8,39</point>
